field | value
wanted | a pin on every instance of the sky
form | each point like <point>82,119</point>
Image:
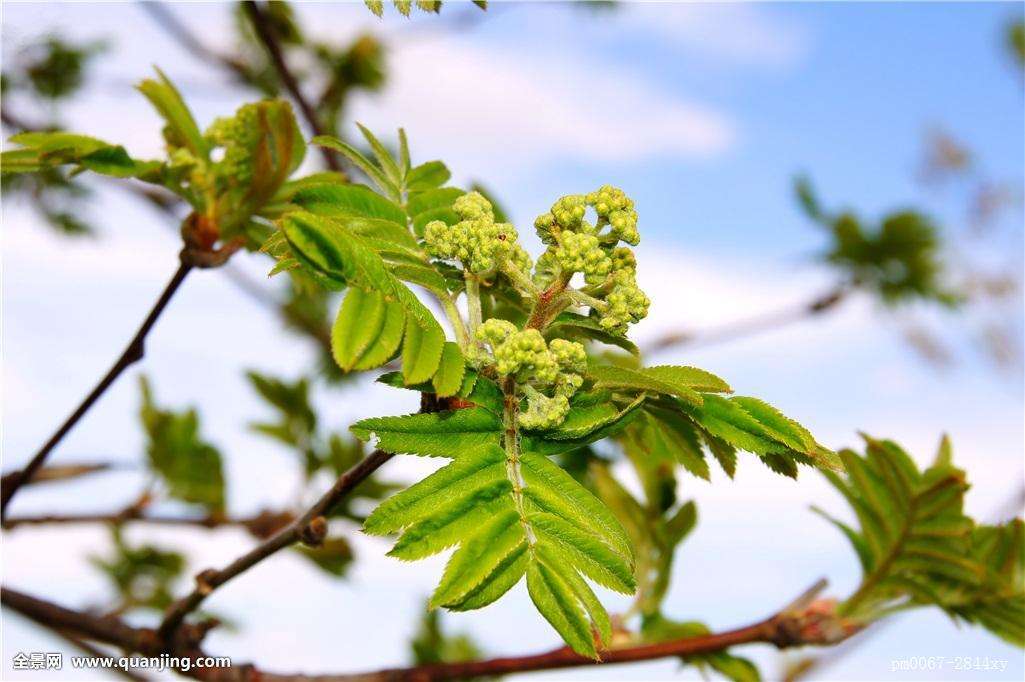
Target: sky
<point>703,113</point>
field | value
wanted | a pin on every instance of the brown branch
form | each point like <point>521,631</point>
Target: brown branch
<point>265,32</point>
<point>754,325</point>
<point>89,650</point>
<point>56,473</point>
<point>309,529</point>
<point>262,525</point>
<point>133,353</point>
<point>806,621</point>
<point>114,631</point>
<point>166,19</point>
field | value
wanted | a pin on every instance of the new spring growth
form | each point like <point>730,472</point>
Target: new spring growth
<point>576,245</point>
<point>546,374</point>
<point>238,135</point>
<point>480,244</point>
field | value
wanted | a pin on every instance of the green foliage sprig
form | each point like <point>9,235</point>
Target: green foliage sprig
<point>405,7</point>
<point>899,259</point>
<point>189,466</point>
<point>918,548</point>
<point>525,391</point>
<point>233,174</point>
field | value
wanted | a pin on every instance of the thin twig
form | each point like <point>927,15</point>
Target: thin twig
<point>265,32</point>
<point>803,621</point>
<point>309,528</point>
<point>133,353</point>
<point>755,325</point>
<point>262,525</point>
<point>53,474</point>
<point>166,19</point>
<point>810,624</point>
<point>89,650</point>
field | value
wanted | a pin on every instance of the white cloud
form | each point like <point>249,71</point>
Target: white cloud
<point>734,33</point>
<point>499,107</point>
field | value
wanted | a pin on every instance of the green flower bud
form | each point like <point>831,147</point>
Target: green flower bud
<point>569,355</point>
<point>543,412</point>
<point>481,244</point>
<point>623,260</point>
<point>567,214</point>
<point>474,206</point>
<point>625,304</point>
<point>238,135</point>
<point>495,331</point>
<point>579,252</point>
<point>567,384</point>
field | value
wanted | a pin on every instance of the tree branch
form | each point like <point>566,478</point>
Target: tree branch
<point>309,529</point>
<point>262,525</point>
<point>806,621</point>
<point>133,353</point>
<point>114,631</point>
<point>56,473</point>
<point>265,32</point>
<point>166,19</point>
<point>755,325</point>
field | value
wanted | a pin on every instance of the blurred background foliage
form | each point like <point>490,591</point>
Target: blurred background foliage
<point>899,258</point>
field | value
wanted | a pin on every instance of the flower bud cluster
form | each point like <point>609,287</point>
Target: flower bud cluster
<point>537,366</point>
<point>576,245</point>
<point>239,136</point>
<point>617,210</point>
<point>477,241</point>
<point>625,304</point>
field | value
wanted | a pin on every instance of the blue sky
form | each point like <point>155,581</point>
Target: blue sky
<point>703,113</point>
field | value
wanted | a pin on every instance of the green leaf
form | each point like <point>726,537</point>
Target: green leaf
<point>427,176</point>
<point>348,200</point>
<point>752,425</point>
<point>188,465</point>
<point>361,162</point>
<point>421,351</point>
<point>914,540</point>
<point>181,126</point>
<point>262,147</point>
<point>449,377</point>
<point>681,382</point>
<point>509,516</point>
<point>144,576</point>
<point>359,322</point>
<point>479,559</point>
<point>604,424</point>
<point>474,389</point>
<point>384,157</point>
<point>431,200</point>
<point>333,556</point>
<point>43,150</point>
<point>404,153</point>
<point>441,434</point>
<point>998,604</point>
<point>555,600</point>
<point>432,645</point>
<point>668,435</point>
<point>581,327</point>
<point>337,253</point>
<point>658,628</point>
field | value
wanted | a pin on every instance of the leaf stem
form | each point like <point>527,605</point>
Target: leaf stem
<point>473,304</point>
<point>510,412</point>
<point>550,303</point>
<point>455,318</point>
